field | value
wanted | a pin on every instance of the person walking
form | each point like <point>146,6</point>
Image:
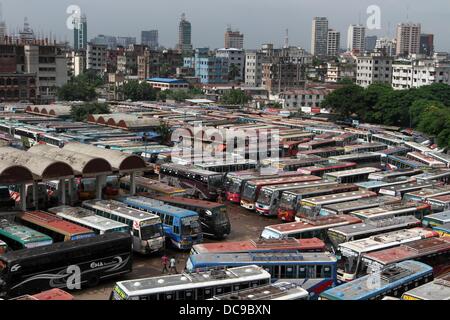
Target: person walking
<point>165,262</point>
<point>173,265</point>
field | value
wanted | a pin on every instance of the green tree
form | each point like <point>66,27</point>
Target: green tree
<point>235,97</point>
<point>81,112</point>
<point>345,101</point>
<point>165,132</point>
<point>233,72</point>
<point>136,91</point>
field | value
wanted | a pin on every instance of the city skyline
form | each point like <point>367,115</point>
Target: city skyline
<point>208,28</point>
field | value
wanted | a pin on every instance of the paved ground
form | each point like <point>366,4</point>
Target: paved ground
<point>244,225</point>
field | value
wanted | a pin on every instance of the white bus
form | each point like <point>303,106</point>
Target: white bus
<point>350,176</point>
<point>277,291</point>
<point>438,289</point>
<point>418,210</point>
<point>88,219</point>
<point>192,286</point>
<point>146,228</point>
<point>350,264</point>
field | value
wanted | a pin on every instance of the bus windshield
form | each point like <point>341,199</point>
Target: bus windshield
<point>215,182</point>
<point>287,201</point>
<point>269,234</point>
<point>220,215</point>
<point>234,186</point>
<point>151,231</point>
<point>190,226</point>
<point>264,197</point>
<point>249,192</point>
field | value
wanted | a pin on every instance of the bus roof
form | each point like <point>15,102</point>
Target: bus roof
<point>275,181</point>
<point>53,222</point>
<point>262,244</point>
<point>121,209</point>
<point>438,289</point>
<point>188,201</point>
<point>391,209</point>
<point>378,225</point>
<point>405,187</point>
<point>296,185</point>
<point>333,198</point>
<point>381,241</point>
<point>443,216</point>
<point>391,276</point>
<point>188,168</point>
<point>276,291</point>
<point>261,257</point>
<point>54,294</point>
<point>346,173</point>
<point>180,281</point>
<point>322,186</point>
<point>152,184</point>
<point>20,233</point>
<point>88,218</point>
<point>160,206</point>
<point>444,199</point>
<point>407,251</point>
<point>319,223</point>
<point>364,203</point>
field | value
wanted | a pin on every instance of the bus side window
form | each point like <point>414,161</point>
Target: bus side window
<point>170,221</point>
<point>136,233</point>
<point>302,272</point>
<point>176,229</point>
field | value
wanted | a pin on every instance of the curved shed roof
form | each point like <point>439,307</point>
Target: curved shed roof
<point>50,109</point>
<point>118,160</point>
<point>41,167</point>
<point>14,174</point>
<point>82,164</point>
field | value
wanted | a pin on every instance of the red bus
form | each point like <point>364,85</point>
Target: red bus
<point>323,152</point>
<point>290,148</point>
<point>307,228</point>
<point>432,251</point>
<point>251,189</point>
<point>290,200</point>
<point>321,169</point>
<point>53,226</point>
<point>234,182</point>
<point>316,144</point>
<point>261,245</point>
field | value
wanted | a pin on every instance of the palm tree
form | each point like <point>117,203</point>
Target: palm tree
<point>233,72</point>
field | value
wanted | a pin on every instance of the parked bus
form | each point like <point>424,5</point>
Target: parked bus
<point>261,245</point>
<point>20,237</point>
<point>316,144</point>
<point>213,216</point>
<point>151,186</point>
<point>277,291</point>
<point>435,252</point>
<point>392,174</point>
<point>53,226</point>
<point>387,140</point>
<point>290,164</point>
<point>312,207</point>
<point>399,190</point>
<point>52,294</point>
<point>315,271</point>
<point>269,196</point>
<point>206,185</point>
<point>428,161</point>
<point>359,158</point>
<point>306,229</point>
<point>182,227</point>
<point>443,157</point>
<point>370,228</point>
<point>418,210</point>
<point>365,147</point>
<point>391,281</point>
<point>434,176</point>
<point>321,169</point>
<point>355,205</point>
<point>234,182</point>
<point>146,228</point>
<point>440,203</point>
<point>53,266</point>
<point>350,176</point>
<point>322,152</point>
<point>438,289</point>
<point>350,264</point>
<point>443,230</point>
<point>191,285</point>
<point>291,199</point>
<point>401,162</point>
<point>89,219</point>
<point>224,166</point>
<point>424,194</point>
<point>436,219</point>
<point>377,185</point>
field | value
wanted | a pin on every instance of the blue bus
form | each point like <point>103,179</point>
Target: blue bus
<point>391,281</point>
<point>182,227</point>
<point>443,230</point>
<point>315,271</point>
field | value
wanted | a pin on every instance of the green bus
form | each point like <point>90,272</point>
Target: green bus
<point>19,237</point>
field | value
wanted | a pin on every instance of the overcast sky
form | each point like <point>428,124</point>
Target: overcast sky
<point>261,21</point>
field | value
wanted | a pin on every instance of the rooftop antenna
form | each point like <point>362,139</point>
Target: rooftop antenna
<point>407,12</point>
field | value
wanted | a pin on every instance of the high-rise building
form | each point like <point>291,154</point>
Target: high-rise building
<point>80,33</point>
<point>3,29</point>
<point>96,57</point>
<point>319,36</point>
<point>386,46</point>
<point>150,39</point>
<point>356,38</point>
<point>375,68</point>
<point>234,39</point>
<point>333,42</point>
<point>426,44</point>
<point>184,35</point>
<point>236,62</point>
<point>370,43</point>
<point>26,34</point>
<point>126,41</point>
<point>408,38</point>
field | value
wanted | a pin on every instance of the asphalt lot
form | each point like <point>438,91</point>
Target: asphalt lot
<point>244,225</point>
